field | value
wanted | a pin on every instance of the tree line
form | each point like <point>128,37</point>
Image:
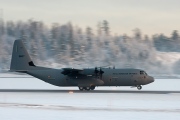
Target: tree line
<point>67,45</point>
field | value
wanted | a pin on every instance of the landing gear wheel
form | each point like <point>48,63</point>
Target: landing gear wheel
<point>92,87</point>
<point>139,87</point>
<point>81,88</point>
<point>87,88</point>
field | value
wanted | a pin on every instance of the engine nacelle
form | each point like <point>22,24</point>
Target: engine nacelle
<point>87,72</point>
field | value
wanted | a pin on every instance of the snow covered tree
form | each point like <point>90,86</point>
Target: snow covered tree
<point>105,27</point>
<point>175,35</point>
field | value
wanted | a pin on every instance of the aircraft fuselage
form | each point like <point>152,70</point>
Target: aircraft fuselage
<point>110,77</point>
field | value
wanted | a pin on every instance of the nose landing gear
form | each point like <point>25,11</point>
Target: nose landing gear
<point>139,87</point>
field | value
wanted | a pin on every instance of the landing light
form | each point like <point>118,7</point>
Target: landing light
<point>70,92</point>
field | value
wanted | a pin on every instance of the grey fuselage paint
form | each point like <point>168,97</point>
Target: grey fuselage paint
<point>110,77</point>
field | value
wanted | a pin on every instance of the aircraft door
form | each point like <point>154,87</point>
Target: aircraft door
<point>114,81</point>
<point>134,80</point>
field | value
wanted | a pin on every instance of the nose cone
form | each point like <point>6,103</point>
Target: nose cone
<point>150,79</point>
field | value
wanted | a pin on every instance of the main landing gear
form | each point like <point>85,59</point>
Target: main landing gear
<point>139,87</point>
<point>87,88</point>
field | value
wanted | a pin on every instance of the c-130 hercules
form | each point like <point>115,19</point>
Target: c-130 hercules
<point>85,79</point>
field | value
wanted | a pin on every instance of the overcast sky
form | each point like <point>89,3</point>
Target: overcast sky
<point>151,16</point>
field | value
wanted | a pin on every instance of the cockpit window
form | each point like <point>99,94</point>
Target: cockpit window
<point>143,73</point>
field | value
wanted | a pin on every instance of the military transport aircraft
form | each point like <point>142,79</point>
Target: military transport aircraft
<point>85,79</point>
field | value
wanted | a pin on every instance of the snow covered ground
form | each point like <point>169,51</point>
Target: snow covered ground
<point>32,99</point>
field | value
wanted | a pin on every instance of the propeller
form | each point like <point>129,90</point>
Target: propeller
<point>96,71</point>
<point>101,72</point>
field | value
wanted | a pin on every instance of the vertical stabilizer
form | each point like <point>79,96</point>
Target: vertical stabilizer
<point>21,60</point>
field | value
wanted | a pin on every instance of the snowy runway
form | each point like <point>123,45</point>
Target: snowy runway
<point>29,98</point>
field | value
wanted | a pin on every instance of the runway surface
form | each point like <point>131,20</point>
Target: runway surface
<point>32,99</point>
<point>94,91</point>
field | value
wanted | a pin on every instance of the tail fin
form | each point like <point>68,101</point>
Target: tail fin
<point>21,61</point>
